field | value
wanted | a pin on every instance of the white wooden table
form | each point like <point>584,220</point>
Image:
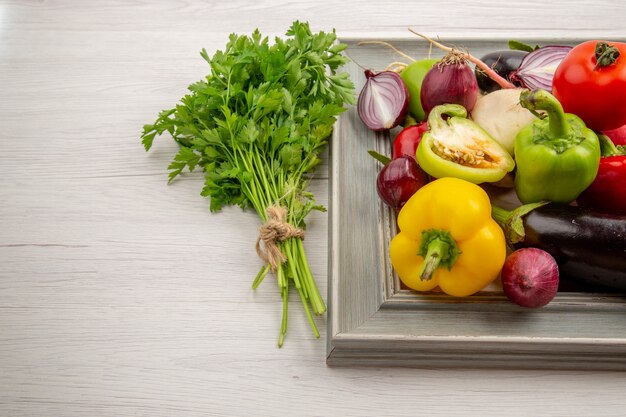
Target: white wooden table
<point>123,296</point>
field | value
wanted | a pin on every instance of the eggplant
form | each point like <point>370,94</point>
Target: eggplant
<point>502,62</point>
<point>588,246</point>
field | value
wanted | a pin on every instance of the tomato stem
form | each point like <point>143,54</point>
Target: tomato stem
<point>606,54</point>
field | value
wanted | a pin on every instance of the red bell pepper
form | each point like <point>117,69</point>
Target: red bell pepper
<point>607,192</point>
<point>407,140</point>
<point>618,136</point>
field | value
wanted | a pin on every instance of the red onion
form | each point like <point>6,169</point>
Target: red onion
<point>537,68</point>
<point>450,81</point>
<point>399,180</point>
<point>383,101</point>
<point>530,277</point>
<point>501,81</point>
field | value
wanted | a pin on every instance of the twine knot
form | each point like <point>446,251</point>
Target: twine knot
<point>276,229</point>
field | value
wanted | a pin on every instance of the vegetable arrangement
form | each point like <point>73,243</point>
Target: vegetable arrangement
<point>547,121</point>
<point>256,126</point>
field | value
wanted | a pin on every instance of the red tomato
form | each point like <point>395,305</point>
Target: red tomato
<point>594,92</point>
<point>407,140</point>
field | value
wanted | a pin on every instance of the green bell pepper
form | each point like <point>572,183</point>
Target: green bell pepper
<point>557,157</point>
<point>458,147</point>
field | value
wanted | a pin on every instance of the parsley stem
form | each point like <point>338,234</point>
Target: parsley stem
<point>252,196</point>
<point>261,182</point>
<point>286,249</point>
<point>316,299</point>
<point>308,313</point>
<point>269,170</point>
<point>261,167</point>
<point>280,277</point>
<point>255,185</point>
<point>260,276</point>
<point>296,259</point>
<point>283,325</point>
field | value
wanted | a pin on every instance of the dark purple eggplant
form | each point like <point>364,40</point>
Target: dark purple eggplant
<point>502,62</point>
<point>589,246</point>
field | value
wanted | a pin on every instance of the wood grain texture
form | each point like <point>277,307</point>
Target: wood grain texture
<point>122,296</point>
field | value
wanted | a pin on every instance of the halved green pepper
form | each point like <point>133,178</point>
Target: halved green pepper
<point>458,147</point>
<point>557,157</point>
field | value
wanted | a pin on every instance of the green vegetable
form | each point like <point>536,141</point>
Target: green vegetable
<point>520,46</point>
<point>413,76</point>
<point>458,147</point>
<point>557,157</point>
<point>256,126</point>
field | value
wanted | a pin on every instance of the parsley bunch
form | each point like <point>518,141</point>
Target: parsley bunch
<point>256,126</point>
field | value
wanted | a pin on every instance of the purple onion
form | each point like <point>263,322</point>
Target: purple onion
<point>530,277</point>
<point>450,81</point>
<point>399,180</point>
<point>383,101</point>
<point>537,68</point>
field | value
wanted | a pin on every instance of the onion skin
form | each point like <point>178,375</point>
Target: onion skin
<point>538,67</point>
<point>449,83</point>
<point>530,277</point>
<point>384,100</point>
<point>399,180</point>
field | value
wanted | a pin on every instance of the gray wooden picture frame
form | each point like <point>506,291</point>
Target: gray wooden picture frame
<point>373,321</point>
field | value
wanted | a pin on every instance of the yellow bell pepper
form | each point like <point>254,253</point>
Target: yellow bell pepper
<point>448,239</point>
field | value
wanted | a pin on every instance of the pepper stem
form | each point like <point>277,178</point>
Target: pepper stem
<point>438,249</point>
<point>435,117</point>
<point>607,147</point>
<point>512,222</point>
<point>542,100</point>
